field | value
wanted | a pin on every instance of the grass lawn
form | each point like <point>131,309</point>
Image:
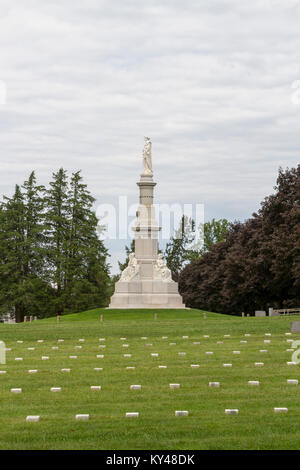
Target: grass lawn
<point>206,427</point>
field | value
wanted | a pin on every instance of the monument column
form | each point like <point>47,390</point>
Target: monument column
<point>146,228</point>
<point>146,282</point>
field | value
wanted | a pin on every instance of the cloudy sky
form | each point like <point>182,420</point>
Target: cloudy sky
<point>214,83</point>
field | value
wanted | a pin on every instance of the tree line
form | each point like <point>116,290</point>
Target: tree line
<point>51,258</point>
<point>257,266</point>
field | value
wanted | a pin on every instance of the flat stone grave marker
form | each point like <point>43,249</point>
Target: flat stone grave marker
<point>259,364</point>
<point>33,371</point>
<point>233,411</point>
<point>16,390</point>
<point>253,382</point>
<point>181,413</point>
<point>280,410</point>
<point>96,388</point>
<point>135,387</point>
<point>82,417</point>
<point>55,389</point>
<point>173,386</point>
<point>195,366</point>
<point>292,381</point>
<point>132,415</point>
<point>32,419</point>
<point>214,384</point>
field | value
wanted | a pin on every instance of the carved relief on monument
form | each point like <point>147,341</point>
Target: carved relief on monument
<point>161,271</point>
<point>132,269</point>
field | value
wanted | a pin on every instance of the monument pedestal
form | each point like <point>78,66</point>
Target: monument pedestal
<point>146,294</point>
<point>146,282</point>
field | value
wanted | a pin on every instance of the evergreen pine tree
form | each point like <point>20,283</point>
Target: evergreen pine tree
<point>57,233</point>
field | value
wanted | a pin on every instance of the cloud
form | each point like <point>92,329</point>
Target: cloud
<point>210,82</point>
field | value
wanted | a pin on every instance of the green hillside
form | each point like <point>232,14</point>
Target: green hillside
<point>206,427</point>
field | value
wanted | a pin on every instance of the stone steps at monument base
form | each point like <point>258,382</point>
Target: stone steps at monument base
<point>159,301</point>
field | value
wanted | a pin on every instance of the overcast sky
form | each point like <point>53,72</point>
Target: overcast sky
<point>213,83</point>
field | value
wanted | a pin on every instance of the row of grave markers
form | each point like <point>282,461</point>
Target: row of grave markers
<point>86,417</point>
<point>172,386</point>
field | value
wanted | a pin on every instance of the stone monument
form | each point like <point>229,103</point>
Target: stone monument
<point>147,281</point>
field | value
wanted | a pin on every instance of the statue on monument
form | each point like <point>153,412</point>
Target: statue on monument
<point>161,271</point>
<point>131,270</point>
<point>147,157</point>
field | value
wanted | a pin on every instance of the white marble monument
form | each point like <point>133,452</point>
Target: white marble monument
<point>146,282</point>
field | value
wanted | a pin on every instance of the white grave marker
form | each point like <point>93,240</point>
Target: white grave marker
<point>233,411</point>
<point>32,419</point>
<point>181,413</point>
<point>83,417</point>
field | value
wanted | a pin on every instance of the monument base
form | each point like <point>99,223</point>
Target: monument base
<point>146,294</point>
